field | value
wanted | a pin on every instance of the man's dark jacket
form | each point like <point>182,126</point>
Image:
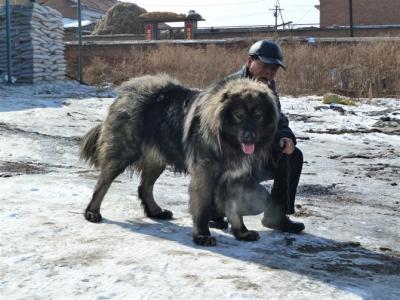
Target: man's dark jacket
<point>283,125</point>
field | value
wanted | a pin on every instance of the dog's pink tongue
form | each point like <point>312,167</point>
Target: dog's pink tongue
<point>248,148</point>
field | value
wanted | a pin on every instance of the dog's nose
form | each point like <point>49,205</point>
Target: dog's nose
<point>249,137</point>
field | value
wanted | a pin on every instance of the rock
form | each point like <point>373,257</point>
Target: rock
<point>330,98</point>
<point>337,108</point>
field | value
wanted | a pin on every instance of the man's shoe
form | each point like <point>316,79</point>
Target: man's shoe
<point>286,225</point>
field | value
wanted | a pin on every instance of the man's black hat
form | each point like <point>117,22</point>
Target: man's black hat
<point>268,52</point>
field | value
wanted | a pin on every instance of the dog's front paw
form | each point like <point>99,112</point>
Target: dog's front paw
<point>247,236</point>
<point>92,216</point>
<point>204,240</point>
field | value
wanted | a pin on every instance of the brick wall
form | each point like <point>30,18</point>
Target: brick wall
<point>365,12</point>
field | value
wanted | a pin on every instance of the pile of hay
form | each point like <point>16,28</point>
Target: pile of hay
<point>121,18</point>
<point>162,16</point>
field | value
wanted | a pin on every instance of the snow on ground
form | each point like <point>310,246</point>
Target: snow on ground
<point>348,199</point>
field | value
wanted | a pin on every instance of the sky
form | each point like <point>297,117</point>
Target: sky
<point>240,12</point>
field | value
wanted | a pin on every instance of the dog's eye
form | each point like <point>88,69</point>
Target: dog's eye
<point>258,116</point>
<point>238,115</point>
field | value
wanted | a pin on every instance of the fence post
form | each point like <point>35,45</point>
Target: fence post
<point>9,50</point>
<point>80,42</point>
<point>351,18</point>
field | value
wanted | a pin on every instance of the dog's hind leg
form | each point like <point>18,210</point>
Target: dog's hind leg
<point>149,175</point>
<point>107,176</point>
<point>217,220</point>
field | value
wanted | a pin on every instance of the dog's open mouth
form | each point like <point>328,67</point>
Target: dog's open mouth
<point>248,148</point>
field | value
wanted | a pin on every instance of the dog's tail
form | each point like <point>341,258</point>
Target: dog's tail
<point>88,146</point>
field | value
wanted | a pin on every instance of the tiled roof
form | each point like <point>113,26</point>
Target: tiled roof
<point>99,5</point>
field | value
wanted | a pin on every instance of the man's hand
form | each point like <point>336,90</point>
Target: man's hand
<point>287,145</point>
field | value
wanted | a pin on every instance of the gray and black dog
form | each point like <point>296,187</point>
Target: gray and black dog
<point>220,136</point>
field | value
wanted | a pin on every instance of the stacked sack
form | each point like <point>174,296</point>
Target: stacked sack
<point>37,43</point>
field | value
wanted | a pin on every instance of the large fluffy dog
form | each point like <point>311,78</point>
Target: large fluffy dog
<point>221,136</point>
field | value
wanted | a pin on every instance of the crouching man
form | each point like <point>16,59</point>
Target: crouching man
<point>264,60</point>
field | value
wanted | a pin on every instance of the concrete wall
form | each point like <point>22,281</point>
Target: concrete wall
<point>389,31</point>
<point>305,32</point>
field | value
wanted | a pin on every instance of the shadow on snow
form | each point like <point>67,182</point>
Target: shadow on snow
<point>344,265</point>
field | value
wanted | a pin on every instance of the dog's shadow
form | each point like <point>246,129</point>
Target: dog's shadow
<point>345,265</point>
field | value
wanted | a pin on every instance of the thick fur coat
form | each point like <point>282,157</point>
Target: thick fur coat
<point>221,136</point>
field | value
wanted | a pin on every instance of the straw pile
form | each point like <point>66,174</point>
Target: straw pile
<point>162,16</point>
<point>37,43</point>
<point>122,18</point>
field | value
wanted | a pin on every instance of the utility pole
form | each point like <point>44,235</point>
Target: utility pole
<point>351,17</point>
<point>277,11</point>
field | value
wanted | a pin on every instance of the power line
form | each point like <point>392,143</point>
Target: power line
<point>237,16</point>
<point>216,4</point>
<point>304,15</point>
<point>204,5</point>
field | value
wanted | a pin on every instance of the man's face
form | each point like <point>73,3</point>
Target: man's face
<point>260,71</point>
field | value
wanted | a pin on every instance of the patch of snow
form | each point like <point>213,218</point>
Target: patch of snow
<point>347,198</point>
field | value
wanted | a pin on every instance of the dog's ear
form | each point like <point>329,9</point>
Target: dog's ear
<point>225,95</point>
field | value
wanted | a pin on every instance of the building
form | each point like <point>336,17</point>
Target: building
<point>365,12</point>
<point>92,10</point>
